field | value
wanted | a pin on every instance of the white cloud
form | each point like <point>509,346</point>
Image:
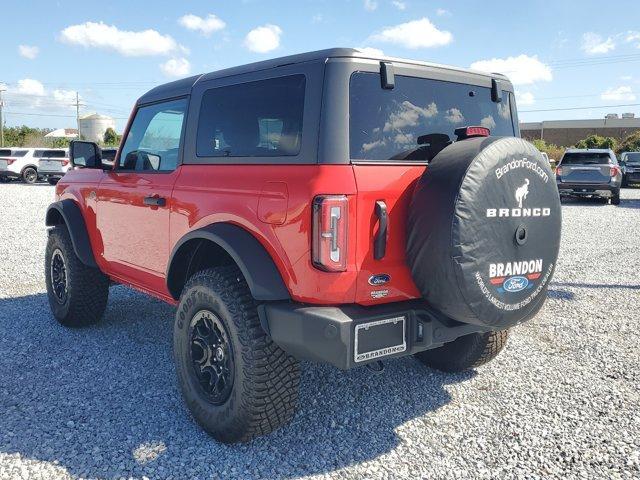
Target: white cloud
<point>375,52</point>
<point>206,25</point>
<point>317,18</point>
<point>31,93</point>
<point>488,122</point>
<point>409,115</point>
<point>28,51</point>
<point>263,39</point>
<point>127,43</point>
<point>176,67</point>
<point>442,12</point>
<point>593,44</point>
<point>453,115</point>
<point>633,36</point>
<point>618,94</point>
<point>29,86</point>
<point>521,70</point>
<point>399,4</point>
<point>370,5</point>
<point>626,78</point>
<point>525,98</point>
<point>415,34</point>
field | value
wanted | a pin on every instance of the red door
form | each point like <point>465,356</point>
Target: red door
<point>134,199</point>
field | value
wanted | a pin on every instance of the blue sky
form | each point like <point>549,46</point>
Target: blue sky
<point>560,55</point>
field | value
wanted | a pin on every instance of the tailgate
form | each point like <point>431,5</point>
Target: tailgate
<point>50,165</point>
<point>393,185</point>
<point>585,173</point>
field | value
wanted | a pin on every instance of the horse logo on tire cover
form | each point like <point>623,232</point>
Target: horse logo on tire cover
<point>522,192</point>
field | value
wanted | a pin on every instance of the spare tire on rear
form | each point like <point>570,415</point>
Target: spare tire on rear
<point>484,231</point>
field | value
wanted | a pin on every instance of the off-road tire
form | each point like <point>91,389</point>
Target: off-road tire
<point>30,175</point>
<point>87,287</point>
<point>266,379</point>
<point>465,353</point>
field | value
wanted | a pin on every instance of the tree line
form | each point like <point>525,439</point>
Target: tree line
<point>24,136</point>
<point>629,144</point>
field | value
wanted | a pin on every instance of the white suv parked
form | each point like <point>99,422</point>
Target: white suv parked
<point>53,163</point>
<point>18,163</point>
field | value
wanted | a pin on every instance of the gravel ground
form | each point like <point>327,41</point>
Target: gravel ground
<point>562,400</point>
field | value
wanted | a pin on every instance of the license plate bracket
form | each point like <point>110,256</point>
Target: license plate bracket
<point>380,338</point>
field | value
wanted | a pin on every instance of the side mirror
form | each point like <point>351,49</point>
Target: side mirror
<point>85,154</point>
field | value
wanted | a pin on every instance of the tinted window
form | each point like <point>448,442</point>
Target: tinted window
<point>19,153</point>
<point>255,119</point>
<point>5,153</point>
<point>38,153</point>
<point>632,157</point>
<point>55,154</point>
<point>154,138</point>
<point>417,118</point>
<point>108,154</point>
<point>585,158</point>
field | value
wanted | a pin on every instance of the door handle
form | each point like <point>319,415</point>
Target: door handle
<point>380,242</point>
<point>155,201</point>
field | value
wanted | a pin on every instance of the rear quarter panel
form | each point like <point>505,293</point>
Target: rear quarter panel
<point>273,203</point>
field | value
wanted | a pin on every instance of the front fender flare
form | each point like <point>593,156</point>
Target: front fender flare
<point>68,212</point>
<point>257,266</point>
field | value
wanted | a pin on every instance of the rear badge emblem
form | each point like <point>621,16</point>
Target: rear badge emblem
<point>379,279</point>
<point>379,294</point>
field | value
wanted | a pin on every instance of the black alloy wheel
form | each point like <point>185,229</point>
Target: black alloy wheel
<point>59,281</point>
<point>211,356</point>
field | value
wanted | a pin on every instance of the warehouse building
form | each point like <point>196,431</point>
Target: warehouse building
<point>566,133</point>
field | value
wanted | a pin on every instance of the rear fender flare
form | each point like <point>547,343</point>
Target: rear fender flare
<point>68,212</point>
<point>255,263</point>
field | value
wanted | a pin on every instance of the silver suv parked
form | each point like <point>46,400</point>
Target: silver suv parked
<point>590,173</point>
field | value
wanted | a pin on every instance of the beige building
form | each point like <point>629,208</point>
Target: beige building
<point>566,133</point>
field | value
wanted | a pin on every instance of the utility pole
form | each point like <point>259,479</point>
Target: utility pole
<point>78,114</point>
<point>2,89</point>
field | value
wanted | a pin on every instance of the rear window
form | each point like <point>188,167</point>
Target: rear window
<point>585,158</point>
<point>54,154</point>
<point>13,153</point>
<point>632,157</point>
<point>254,119</point>
<point>416,119</point>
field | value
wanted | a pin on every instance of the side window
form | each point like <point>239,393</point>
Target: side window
<point>154,138</point>
<point>254,119</point>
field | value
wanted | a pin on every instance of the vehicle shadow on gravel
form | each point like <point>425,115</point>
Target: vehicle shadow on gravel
<point>103,402</point>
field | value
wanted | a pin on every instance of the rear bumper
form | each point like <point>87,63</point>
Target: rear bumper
<point>582,189</point>
<point>328,334</point>
<point>9,174</point>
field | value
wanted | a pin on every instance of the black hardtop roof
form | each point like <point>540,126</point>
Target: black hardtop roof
<point>184,86</point>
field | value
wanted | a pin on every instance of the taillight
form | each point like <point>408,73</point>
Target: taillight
<point>614,170</point>
<point>8,160</point>
<point>330,225</point>
<point>559,171</point>
<point>65,163</point>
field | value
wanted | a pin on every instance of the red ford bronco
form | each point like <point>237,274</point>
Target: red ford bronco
<point>330,206</point>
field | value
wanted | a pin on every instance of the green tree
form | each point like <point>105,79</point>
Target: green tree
<point>553,151</point>
<point>630,144</point>
<point>597,141</point>
<point>111,138</point>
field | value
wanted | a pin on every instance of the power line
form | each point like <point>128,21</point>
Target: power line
<point>53,115</point>
<point>580,108</point>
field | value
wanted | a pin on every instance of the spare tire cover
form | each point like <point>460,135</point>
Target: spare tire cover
<point>484,231</point>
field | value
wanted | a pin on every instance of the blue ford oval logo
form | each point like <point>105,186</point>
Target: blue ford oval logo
<point>379,279</point>
<point>515,284</point>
